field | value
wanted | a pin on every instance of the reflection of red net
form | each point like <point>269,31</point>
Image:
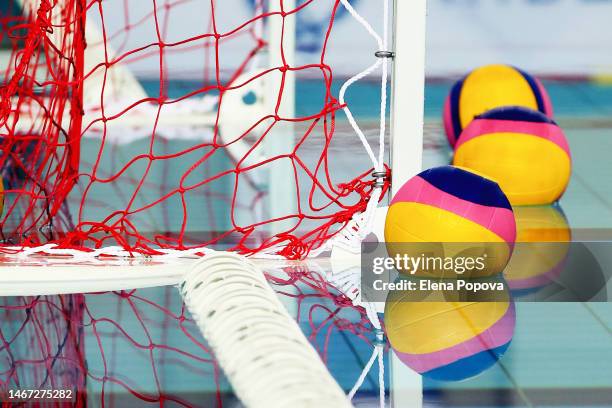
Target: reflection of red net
<point>88,161</point>
<point>42,348</point>
<point>141,347</point>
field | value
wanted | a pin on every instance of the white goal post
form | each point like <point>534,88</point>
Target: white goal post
<point>406,144</point>
<point>408,98</point>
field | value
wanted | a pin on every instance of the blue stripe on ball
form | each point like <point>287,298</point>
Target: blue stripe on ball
<point>454,103</point>
<point>468,367</point>
<point>516,113</point>
<point>467,186</point>
<point>535,88</point>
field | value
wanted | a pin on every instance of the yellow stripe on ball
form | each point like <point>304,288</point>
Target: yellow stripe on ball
<point>426,327</point>
<point>409,222</point>
<point>433,225</point>
<point>493,86</point>
<point>512,159</point>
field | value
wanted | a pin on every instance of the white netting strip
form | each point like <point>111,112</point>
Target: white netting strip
<point>362,224</point>
<point>260,347</point>
<point>377,355</point>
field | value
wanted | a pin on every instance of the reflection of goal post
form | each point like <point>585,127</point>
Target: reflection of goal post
<point>104,163</point>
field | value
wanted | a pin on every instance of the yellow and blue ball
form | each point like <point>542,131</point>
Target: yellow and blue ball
<point>449,341</point>
<point>453,212</point>
<point>523,150</point>
<point>490,87</point>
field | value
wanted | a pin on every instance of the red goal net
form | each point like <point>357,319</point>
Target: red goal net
<point>166,127</point>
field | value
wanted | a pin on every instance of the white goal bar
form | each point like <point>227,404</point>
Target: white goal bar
<point>408,98</point>
<point>407,119</point>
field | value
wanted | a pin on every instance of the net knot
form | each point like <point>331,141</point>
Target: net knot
<point>356,185</point>
<point>343,301</point>
<point>347,215</point>
<point>295,249</point>
<point>246,231</point>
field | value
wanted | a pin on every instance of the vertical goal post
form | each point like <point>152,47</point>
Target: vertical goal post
<point>408,97</point>
<point>406,144</point>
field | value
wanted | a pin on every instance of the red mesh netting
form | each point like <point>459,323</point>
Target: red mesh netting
<point>168,124</point>
<point>141,348</point>
<point>165,126</point>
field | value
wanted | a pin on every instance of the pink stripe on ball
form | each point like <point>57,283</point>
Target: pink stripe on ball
<point>538,280</point>
<point>448,122</point>
<point>548,106</point>
<point>481,127</point>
